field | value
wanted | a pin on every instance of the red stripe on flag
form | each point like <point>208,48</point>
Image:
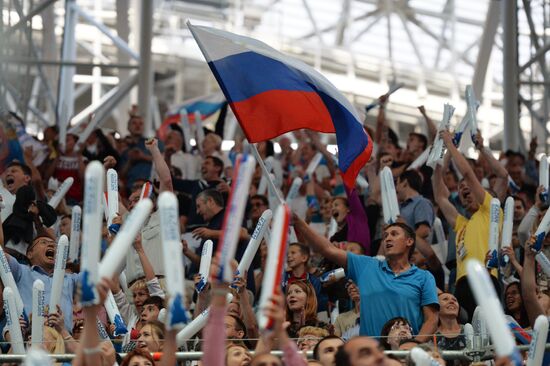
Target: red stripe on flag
<point>275,112</point>
<point>351,173</point>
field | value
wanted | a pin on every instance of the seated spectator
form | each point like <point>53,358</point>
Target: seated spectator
<point>234,327</point>
<point>361,351</point>
<point>151,309</point>
<point>215,340</point>
<point>236,354</point>
<point>394,331</point>
<point>53,341</point>
<point>450,334</point>
<point>138,357</point>
<point>513,304</point>
<point>544,300</point>
<point>347,324</point>
<point>297,258</point>
<point>309,336</point>
<point>326,348</point>
<point>408,344</point>
<point>430,351</point>
<point>265,359</point>
<point>151,337</point>
<point>301,307</point>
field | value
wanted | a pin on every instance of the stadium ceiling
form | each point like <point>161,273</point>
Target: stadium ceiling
<point>434,47</point>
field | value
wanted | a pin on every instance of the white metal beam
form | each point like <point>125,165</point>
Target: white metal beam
<point>145,90</point>
<point>375,19</point>
<point>114,38</point>
<point>333,26</point>
<point>313,21</point>
<point>34,51</point>
<point>342,23</point>
<point>486,46</point>
<point>65,92</point>
<point>510,76</point>
<point>23,20</point>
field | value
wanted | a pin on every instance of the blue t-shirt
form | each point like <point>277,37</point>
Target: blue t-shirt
<point>385,295</point>
<point>416,211</point>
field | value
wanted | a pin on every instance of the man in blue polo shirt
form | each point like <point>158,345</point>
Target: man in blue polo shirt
<point>388,288</point>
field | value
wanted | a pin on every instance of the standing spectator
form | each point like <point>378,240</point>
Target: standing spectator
<point>150,233</point>
<point>347,324</point>
<point>41,255</point>
<point>69,163</point>
<point>297,263</point>
<point>28,217</point>
<point>388,288</point>
<point>472,233</point>
<point>211,172</point>
<point>187,163</point>
<point>212,146</point>
<point>258,204</point>
<point>418,213</point>
<point>98,147</point>
<point>136,160</point>
<point>352,220</point>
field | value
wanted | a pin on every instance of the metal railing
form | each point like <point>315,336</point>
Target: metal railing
<point>466,355</point>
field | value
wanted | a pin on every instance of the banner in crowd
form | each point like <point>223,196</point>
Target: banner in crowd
<point>208,105</point>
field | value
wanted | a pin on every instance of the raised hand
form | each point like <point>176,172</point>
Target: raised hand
<point>109,162</point>
<point>56,320</point>
<point>447,137</point>
<point>151,144</point>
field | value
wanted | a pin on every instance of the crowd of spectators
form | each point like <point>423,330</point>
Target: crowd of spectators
<point>402,288</point>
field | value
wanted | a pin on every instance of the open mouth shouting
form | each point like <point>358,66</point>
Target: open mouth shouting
<point>10,181</point>
<point>50,254</point>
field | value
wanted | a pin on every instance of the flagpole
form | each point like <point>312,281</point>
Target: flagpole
<point>265,171</point>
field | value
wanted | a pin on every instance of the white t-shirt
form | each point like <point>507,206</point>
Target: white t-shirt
<point>188,164</point>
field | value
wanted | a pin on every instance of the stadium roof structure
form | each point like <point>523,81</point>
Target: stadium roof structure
<point>434,47</point>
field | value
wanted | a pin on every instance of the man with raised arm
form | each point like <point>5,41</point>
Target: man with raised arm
<point>388,288</point>
<point>471,234</point>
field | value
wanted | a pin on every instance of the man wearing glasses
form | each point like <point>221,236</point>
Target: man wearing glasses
<point>41,255</point>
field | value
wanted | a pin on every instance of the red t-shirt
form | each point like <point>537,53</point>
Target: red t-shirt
<point>67,166</point>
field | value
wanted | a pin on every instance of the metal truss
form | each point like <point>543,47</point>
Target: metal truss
<point>80,63</point>
<point>434,47</point>
<point>531,67</point>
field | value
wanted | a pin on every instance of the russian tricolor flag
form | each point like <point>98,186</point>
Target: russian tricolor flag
<point>272,94</point>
